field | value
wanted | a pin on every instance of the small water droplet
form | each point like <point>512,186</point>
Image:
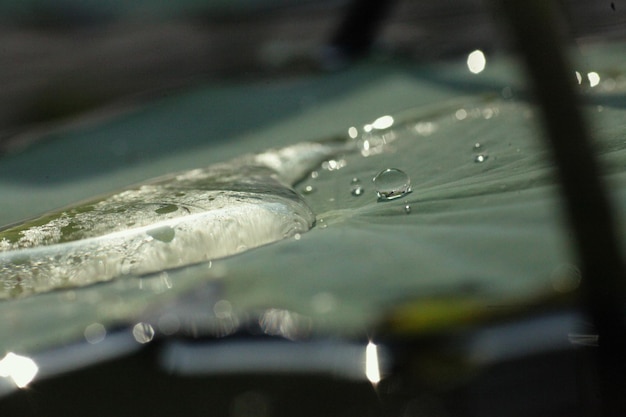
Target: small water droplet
<point>392,183</point>
<point>477,145</point>
<point>355,180</point>
<point>143,332</point>
<point>314,174</point>
<point>357,190</point>
<point>334,164</point>
<point>164,233</point>
<point>308,189</point>
<point>407,209</point>
<point>480,158</point>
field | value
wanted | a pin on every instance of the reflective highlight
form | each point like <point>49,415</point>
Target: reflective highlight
<point>342,359</point>
<point>594,78</point>
<point>143,332</point>
<point>285,323</point>
<point>372,367</point>
<point>383,122</point>
<point>20,369</point>
<point>476,61</point>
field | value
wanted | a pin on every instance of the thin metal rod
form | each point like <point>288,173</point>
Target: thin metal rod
<point>534,29</point>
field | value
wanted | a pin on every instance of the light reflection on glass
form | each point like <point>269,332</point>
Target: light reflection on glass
<point>476,61</point>
<point>372,367</point>
<point>95,333</point>
<point>20,369</point>
<point>143,332</point>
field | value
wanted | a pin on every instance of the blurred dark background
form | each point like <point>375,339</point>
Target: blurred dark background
<point>67,58</point>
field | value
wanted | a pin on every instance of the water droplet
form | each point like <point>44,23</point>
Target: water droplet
<point>383,122</point>
<point>164,233</point>
<point>480,158</point>
<point>143,332</point>
<point>357,190</point>
<point>477,145</point>
<point>308,189</point>
<point>355,180</point>
<point>392,183</point>
<point>407,209</point>
<point>314,174</point>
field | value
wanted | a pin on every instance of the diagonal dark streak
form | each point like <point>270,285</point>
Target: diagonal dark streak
<point>590,217</point>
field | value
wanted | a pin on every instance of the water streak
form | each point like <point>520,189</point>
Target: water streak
<point>172,221</point>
